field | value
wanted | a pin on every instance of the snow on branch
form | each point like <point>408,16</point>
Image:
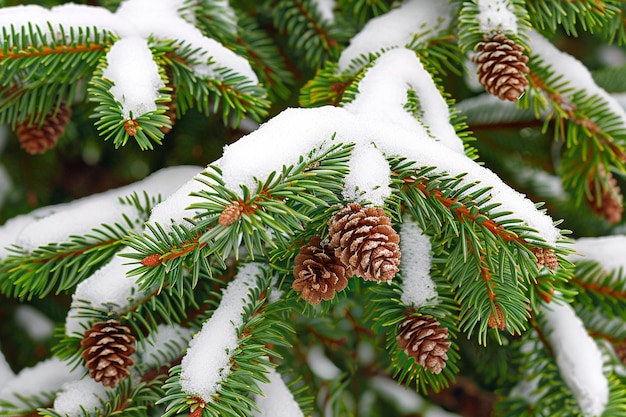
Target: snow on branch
<point>497,15</point>
<point>578,357</point>
<point>608,251</point>
<point>568,69</point>
<point>55,224</point>
<point>277,400</point>
<point>274,145</point>
<point>418,288</point>
<point>396,29</point>
<point>384,97</point>
<point>79,396</point>
<point>37,384</point>
<point>207,361</point>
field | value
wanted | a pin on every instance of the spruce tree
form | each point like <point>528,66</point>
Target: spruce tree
<point>312,208</point>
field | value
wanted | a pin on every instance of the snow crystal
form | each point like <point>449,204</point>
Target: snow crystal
<point>6,373</point>
<point>418,288</point>
<point>108,288</point>
<point>135,76</point>
<point>369,176</point>
<point>45,377</point>
<point>321,365</point>
<point>325,8</point>
<point>76,396</point>
<point>277,400</point>
<point>497,15</point>
<point>38,326</point>
<point>578,357</point>
<point>207,362</point>
<point>57,223</point>
<point>609,251</point>
<point>397,28</point>
<point>156,351</point>
<point>569,69</point>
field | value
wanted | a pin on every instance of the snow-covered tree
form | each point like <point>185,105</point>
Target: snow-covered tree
<point>416,210</point>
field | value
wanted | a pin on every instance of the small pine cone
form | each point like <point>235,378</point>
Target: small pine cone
<point>318,273</point>
<point>365,242</point>
<point>230,215</point>
<point>502,67</point>
<point>38,139</point>
<point>107,349</point>
<point>496,321</point>
<point>609,204</point>
<point>422,338</point>
<point>545,257</point>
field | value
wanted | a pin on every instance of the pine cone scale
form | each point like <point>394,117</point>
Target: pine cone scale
<point>422,338</point>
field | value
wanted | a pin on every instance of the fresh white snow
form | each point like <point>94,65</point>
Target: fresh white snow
<point>135,76</point>
<point>164,345</point>
<point>418,288</point>
<point>58,223</point>
<point>397,29</point>
<point>207,361</point>
<point>497,15</point>
<point>579,358</point>
<point>608,251</point>
<point>44,378</point>
<point>36,324</point>
<point>277,400</point>
<point>325,8</point>
<point>321,365</point>
<point>76,396</point>
<point>135,20</point>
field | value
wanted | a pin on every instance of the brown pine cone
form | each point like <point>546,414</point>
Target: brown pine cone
<point>318,273</point>
<point>107,349</point>
<point>365,242</point>
<point>422,338</point>
<point>545,257</point>
<point>502,67</point>
<point>607,203</point>
<point>229,215</point>
<point>38,139</point>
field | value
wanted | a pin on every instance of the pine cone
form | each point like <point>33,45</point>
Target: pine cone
<point>318,273</point>
<point>37,140</point>
<point>229,215</point>
<point>502,67</point>
<point>107,349</point>
<point>365,242</point>
<point>545,257</point>
<point>609,202</point>
<point>422,338</point>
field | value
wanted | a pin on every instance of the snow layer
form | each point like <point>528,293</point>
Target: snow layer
<point>277,400</point>
<point>418,288</point>
<point>294,132</point>
<point>497,15</point>
<point>38,326</point>
<point>383,97</point>
<point>572,71</point>
<point>609,251</point>
<point>397,28</point>
<point>578,357</point>
<point>6,373</point>
<point>58,223</point>
<point>325,8</point>
<point>135,19</point>
<point>108,288</point>
<point>136,90</point>
<point>321,365</point>
<point>207,362</point>
<point>76,396</point>
<point>164,345</point>
<point>45,377</point>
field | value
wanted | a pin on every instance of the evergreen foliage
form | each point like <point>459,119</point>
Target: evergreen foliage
<point>321,104</point>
